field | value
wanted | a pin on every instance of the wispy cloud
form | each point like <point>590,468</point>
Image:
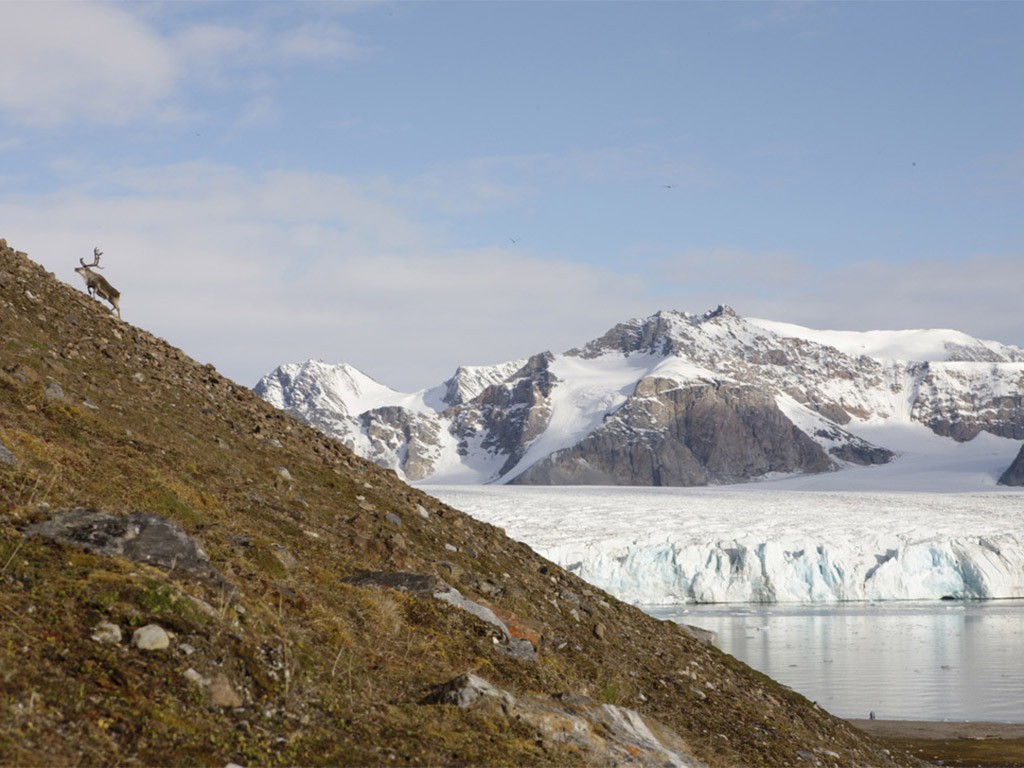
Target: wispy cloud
<point>110,63</point>
<point>64,61</point>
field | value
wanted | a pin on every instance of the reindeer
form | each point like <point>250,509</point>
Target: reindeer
<point>97,284</point>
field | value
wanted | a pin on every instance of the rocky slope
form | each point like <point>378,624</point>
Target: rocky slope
<point>190,576</point>
<point>674,399</point>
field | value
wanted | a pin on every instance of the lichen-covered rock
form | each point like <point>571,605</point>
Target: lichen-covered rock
<point>144,538</point>
<point>105,632</point>
<point>6,456</point>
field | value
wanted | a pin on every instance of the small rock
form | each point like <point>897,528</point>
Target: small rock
<point>599,631</point>
<point>151,637</point>
<point>222,694</point>
<point>451,547</point>
<point>466,689</point>
<point>284,557</point>
<point>422,512</point>
<point>105,632</point>
<point>394,519</point>
<point>194,677</point>
<point>284,474</point>
<point>6,457</point>
<point>54,391</point>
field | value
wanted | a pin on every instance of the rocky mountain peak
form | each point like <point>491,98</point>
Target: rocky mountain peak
<point>612,402</point>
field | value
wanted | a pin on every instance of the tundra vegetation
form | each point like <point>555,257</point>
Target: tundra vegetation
<point>320,606</point>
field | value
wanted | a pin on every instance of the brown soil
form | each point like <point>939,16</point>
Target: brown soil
<point>958,744</point>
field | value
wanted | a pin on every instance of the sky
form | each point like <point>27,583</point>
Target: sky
<point>412,186</point>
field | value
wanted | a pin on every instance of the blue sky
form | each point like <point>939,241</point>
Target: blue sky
<point>412,186</point>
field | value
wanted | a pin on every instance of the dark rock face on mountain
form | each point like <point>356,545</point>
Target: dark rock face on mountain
<point>668,435</point>
<point>510,415</point>
<point>672,399</point>
<point>1014,475</point>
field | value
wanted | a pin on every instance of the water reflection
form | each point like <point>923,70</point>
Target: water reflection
<point>914,661</point>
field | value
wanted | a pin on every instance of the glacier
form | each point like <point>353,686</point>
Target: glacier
<point>657,546</point>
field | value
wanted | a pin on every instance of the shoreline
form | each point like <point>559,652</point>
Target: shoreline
<point>977,744</point>
<point>938,729</point>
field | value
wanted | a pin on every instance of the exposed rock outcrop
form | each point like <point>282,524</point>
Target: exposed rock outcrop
<point>605,734</point>
<point>1014,475</point>
<point>144,538</point>
<point>671,435</point>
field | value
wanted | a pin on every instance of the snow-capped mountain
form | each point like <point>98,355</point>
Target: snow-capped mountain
<point>674,399</point>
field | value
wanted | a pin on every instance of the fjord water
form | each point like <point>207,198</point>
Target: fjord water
<point>932,659</point>
<point>935,660</point>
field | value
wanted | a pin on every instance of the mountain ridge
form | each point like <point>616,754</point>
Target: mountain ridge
<point>639,404</point>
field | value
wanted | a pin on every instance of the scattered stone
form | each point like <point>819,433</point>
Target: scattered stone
<point>6,457</point>
<point>599,631</point>
<point>451,547</point>
<point>284,557</point>
<point>422,512</point>
<point>53,391</point>
<point>284,474</point>
<point>105,632</point>
<point>467,689</point>
<point>26,375</point>
<point>151,637</point>
<point>194,677</point>
<point>394,519</point>
<point>222,694</point>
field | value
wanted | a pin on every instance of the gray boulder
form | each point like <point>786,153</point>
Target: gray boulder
<point>6,457</point>
<point>144,538</point>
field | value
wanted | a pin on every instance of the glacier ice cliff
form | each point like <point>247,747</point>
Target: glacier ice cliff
<point>800,570</point>
<point>657,546</point>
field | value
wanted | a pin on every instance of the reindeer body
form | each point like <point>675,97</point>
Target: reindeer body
<point>97,284</point>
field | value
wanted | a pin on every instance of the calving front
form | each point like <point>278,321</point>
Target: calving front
<point>662,546</point>
<point>802,570</point>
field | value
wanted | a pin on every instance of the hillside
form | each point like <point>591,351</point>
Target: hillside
<point>675,399</point>
<point>309,606</point>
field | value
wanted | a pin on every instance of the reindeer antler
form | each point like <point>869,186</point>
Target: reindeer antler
<point>96,253</point>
